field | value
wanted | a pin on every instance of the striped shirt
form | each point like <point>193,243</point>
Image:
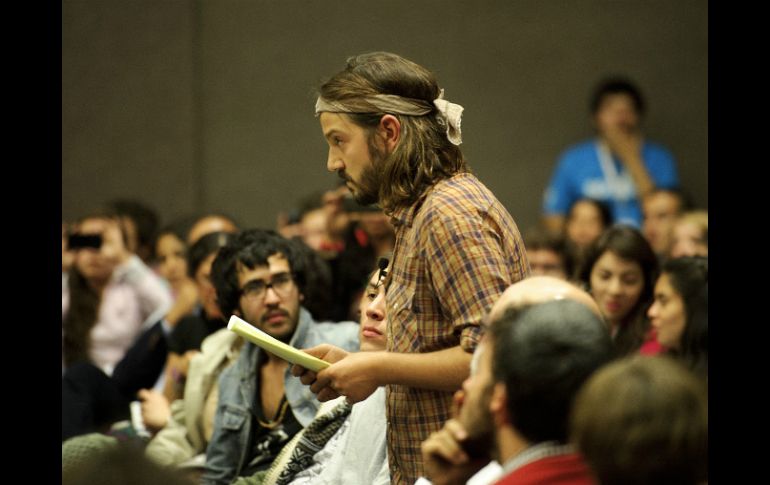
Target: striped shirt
<point>457,249</point>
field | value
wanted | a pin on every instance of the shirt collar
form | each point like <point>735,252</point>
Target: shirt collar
<point>403,215</point>
<point>535,453</point>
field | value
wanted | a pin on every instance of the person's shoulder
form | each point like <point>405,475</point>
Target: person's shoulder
<point>335,327</point>
<point>459,193</point>
<point>579,151</point>
<point>220,339</point>
<point>657,148</point>
<point>342,334</point>
<point>343,327</point>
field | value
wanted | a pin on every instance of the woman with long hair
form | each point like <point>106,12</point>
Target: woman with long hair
<point>680,311</point>
<point>108,296</point>
<point>620,271</point>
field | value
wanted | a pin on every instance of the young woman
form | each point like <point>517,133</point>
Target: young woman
<point>108,297</point>
<point>680,311</point>
<point>620,271</point>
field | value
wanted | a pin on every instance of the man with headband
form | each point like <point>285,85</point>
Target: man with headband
<point>394,140</point>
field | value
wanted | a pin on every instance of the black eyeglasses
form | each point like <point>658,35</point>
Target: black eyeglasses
<point>256,290</point>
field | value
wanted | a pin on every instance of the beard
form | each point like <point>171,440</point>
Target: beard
<point>367,190</point>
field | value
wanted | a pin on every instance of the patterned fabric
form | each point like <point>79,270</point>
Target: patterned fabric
<point>457,249</point>
<point>312,440</point>
<point>79,450</point>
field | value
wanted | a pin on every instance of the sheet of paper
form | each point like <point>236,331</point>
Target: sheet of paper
<point>275,346</point>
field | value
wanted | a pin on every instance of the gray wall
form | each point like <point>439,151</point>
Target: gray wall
<point>208,106</point>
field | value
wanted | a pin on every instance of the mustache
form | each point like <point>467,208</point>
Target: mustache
<point>344,176</point>
<point>269,315</point>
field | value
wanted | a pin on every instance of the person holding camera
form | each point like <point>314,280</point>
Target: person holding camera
<point>109,298</point>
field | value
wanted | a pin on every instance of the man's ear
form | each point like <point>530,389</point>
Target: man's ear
<point>389,131</point>
<point>301,297</point>
<point>498,405</point>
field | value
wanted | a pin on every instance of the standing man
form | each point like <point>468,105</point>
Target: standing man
<point>394,140</point>
<point>619,167</point>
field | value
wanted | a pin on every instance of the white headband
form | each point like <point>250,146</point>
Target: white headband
<point>450,113</point>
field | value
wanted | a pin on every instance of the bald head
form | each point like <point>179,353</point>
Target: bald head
<point>209,224</point>
<point>540,289</point>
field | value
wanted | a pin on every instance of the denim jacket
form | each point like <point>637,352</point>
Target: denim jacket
<point>228,450</point>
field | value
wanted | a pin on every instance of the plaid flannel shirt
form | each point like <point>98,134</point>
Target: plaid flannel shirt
<point>457,249</point>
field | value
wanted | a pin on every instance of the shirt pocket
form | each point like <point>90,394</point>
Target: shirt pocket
<point>234,418</point>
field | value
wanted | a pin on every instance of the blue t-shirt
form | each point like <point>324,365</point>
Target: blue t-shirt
<point>579,174</point>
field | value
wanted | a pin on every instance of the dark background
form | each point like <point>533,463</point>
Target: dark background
<point>208,106</point>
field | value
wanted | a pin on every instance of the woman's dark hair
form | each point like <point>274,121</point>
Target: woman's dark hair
<point>627,243</point>
<point>689,278</point>
<point>604,211</point>
<point>179,229</point>
<point>84,303</point>
<point>203,247</point>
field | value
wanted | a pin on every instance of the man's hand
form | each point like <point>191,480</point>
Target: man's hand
<point>444,459</point>
<point>625,143</point>
<point>351,374</point>
<point>155,409</point>
<point>186,299</point>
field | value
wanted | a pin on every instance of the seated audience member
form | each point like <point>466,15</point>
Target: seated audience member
<point>210,223</point>
<point>547,255</point>
<point>108,296</point>
<point>643,420</point>
<point>361,234</point>
<point>586,221</point>
<point>171,257</point>
<point>110,301</point>
<point>186,339</point>
<point>319,285</point>
<point>186,427</point>
<point>620,271</point>
<point>680,311</point>
<point>357,451</point>
<point>106,398</point>
<point>660,208</point>
<point>690,235</point>
<point>618,167</point>
<point>260,405</point>
<point>314,224</point>
<point>545,338</point>
<point>140,223</point>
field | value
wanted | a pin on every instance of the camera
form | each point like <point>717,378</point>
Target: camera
<point>80,241</point>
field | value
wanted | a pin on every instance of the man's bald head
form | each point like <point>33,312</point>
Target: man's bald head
<point>540,289</point>
<point>207,225</point>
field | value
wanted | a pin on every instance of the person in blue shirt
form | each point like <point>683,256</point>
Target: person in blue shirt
<point>618,167</point>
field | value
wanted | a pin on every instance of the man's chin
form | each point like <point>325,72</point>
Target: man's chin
<point>364,198</point>
<point>284,334</point>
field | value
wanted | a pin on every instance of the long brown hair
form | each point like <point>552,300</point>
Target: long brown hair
<point>84,302</point>
<point>423,155</point>
<point>627,243</point>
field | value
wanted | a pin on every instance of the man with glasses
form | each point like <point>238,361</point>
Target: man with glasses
<point>260,276</point>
